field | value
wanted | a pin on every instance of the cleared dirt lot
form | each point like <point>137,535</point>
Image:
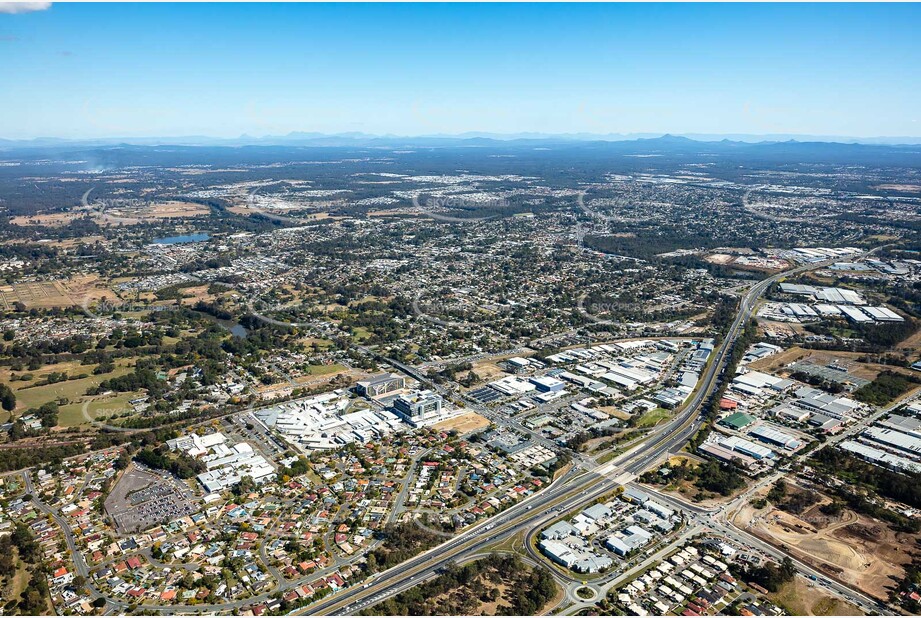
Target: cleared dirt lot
<point>488,370</point>
<point>868,371</point>
<point>465,423</point>
<point>48,294</point>
<point>720,258</point>
<point>125,215</point>
<point>852,548</point>
<point>168,210</point>
<point>56,219</point>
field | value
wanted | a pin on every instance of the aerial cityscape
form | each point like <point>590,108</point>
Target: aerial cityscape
<point>460,309</point>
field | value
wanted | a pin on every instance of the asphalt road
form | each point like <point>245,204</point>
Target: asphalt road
<point>78,560</point>
<point>573,489</point>
<point>566,493</point>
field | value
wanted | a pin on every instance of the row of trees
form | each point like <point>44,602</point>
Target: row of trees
<point>19,458</point>
<point>183,466</point>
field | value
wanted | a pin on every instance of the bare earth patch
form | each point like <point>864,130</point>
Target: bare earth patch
<point>868,371</point>
<point>852,548</point>
<point>465,423</point>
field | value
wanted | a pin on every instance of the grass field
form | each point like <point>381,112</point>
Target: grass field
<point>800,599</point>
<point>360,334</point>
<point>30,396</point>
<point>70,389</point>
<point>653,417</point>
<point>72,414</point>
<point>322,370</point>
<point>321,343</point>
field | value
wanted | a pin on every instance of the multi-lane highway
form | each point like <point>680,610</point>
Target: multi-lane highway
<point>573,489</point>
<point>567,492</point>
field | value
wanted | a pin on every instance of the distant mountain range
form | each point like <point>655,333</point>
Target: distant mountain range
<point>693,140</point>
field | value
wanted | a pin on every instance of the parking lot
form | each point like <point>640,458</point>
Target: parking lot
<point>144,498</point>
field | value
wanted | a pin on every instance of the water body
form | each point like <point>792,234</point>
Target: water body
<point>177,240</point>
<point>236,329</point>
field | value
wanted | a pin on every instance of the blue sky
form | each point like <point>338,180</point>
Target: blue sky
<point>103,70</point>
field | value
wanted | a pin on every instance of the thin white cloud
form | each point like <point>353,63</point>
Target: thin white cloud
<point>12,8</point>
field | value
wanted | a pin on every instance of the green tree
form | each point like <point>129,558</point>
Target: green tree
<point>7,398</point>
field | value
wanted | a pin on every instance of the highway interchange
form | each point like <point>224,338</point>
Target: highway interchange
<point>577,488</point>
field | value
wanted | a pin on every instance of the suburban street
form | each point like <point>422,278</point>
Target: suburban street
<point>566,492</point>
<point>583,483</point>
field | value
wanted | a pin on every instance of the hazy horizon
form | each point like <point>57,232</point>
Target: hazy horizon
<point>296,137</point>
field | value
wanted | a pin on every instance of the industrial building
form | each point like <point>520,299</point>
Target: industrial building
<point>905,424</point>
<point>756,383</point>
<point>225,472</point>
<point>834,406</point>
<point>789,413</point>
<point>856,315</point>
<point>825,423</point>
<point>518,363</point>
<point>671,398</point>
<point>883,314</point>
<point>826,295</point>
<point>880,457</point>
<point>559,530</point>
<point>511,385</point>
<point>759,351</point>
<point>195,445</point>
<point>738,421</point>
<point>726,455</point>
<point>575,555</point>
<point>797,289</point>
<point>654,521</point>
<point>226,464</point>
<point>746,447</point>
<point>894,439</point>
<point>547,384</point>
<point>799,311</point>
<point>659,509</point>
<point>775,437</point>
<point>635,496</point>
<point>634,537</point>
<point>839,296</point>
